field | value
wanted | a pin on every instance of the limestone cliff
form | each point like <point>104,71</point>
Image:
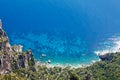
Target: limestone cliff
<point>12,57</point>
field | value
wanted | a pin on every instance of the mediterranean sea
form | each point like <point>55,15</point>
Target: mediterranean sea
<point>63,31</point>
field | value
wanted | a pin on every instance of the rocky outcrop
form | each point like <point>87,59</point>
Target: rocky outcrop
<point>17,48</point>
<point>23,60</point>
<point>107,56</point>
<point>12,57</point>
<point>5,63</point>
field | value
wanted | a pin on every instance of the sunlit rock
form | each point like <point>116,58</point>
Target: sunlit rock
<point>17,48</point>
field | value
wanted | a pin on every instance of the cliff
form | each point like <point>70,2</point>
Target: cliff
<point>12,57</point>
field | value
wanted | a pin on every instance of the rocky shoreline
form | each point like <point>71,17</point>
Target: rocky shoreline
<point>16,64</point>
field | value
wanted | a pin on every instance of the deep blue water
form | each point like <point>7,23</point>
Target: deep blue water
<point>66,31</point>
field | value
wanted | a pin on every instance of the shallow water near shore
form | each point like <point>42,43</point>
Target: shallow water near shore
<point>63,51</point>
<point>66,32</point>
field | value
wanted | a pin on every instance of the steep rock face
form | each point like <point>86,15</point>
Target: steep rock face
<point>5,63</point>
<point>5,50</point>
<point>22,60</point>
<point>4,41</point>
<point>12,57</point>
<point>29,60</point>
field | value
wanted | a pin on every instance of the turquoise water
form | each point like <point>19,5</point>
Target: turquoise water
<point>59,49</point>
<point>67,32</point>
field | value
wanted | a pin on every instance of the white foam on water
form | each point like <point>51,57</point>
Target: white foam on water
<point>115,47</point>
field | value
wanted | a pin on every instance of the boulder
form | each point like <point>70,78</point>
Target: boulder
<point>107,56</point>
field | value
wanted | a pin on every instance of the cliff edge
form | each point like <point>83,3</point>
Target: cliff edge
<point>12,57</point>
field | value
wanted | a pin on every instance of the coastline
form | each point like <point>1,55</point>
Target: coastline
<point>39,63</point>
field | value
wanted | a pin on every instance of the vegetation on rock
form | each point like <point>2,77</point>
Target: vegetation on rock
<point>101,70</point>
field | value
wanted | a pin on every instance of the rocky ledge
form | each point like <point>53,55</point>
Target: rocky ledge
<point>12,57</point>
